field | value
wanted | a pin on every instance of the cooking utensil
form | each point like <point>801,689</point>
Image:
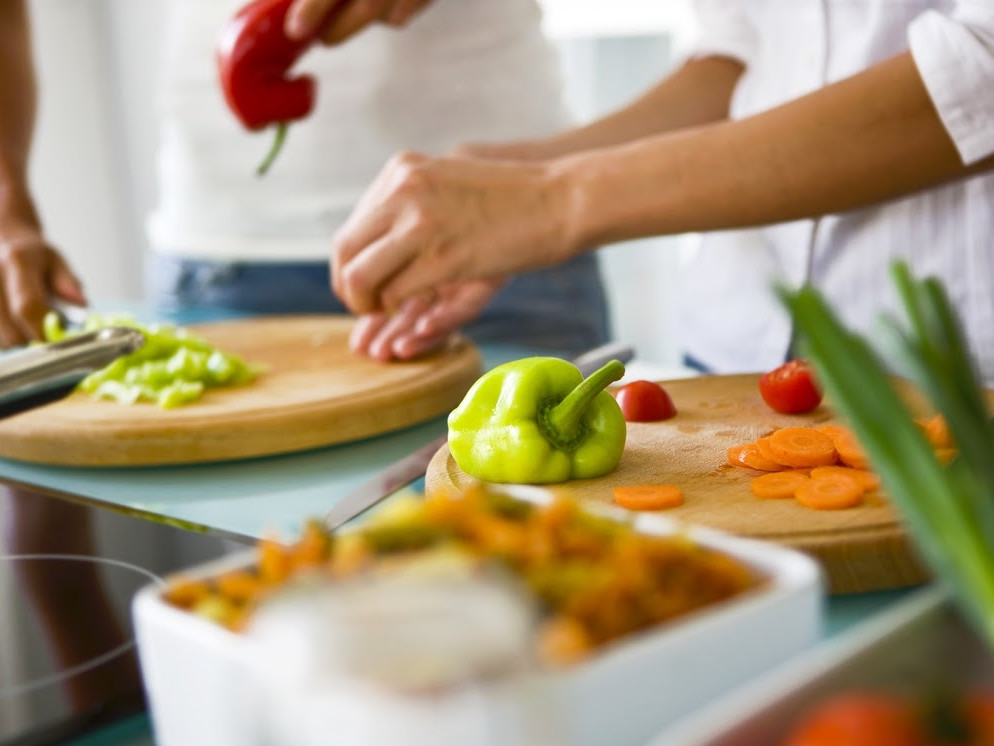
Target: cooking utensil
<point>408,468</point>
<point>45,373</point>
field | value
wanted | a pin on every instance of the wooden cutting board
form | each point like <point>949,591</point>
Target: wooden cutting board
<point>863,548</point>
<point>313,392</point>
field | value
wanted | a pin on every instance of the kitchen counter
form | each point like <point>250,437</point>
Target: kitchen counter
<point>256,497</point>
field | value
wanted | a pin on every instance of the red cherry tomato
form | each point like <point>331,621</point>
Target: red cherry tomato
<point>644,401</point>
<point>791,388</point>
<point>859,719</point>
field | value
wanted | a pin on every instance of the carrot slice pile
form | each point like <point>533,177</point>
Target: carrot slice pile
<point>802,447</point>
<point>778,484</point>
<point>749,454</point>
<point>830,492</point>
<point>648,496</point>
<point>837,472</point>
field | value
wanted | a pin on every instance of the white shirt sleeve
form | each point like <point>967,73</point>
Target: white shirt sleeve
<point>723,29</point>
<point>954,53</point>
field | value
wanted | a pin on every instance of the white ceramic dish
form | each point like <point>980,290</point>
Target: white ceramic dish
<point>202,691</point>
<point>919,644</point>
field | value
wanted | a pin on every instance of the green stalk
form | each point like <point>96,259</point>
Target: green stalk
<point>274,149</point>
<point>948,511</point>
<point>561,424</point>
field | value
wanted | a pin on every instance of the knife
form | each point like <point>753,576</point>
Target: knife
<point>414,465</point>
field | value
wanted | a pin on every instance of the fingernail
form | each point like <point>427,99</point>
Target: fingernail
<point>296,26</point>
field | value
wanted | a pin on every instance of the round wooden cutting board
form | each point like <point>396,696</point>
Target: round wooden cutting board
<point>860,549</point>
<point>313,392</point>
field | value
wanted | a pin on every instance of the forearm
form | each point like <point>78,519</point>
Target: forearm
<point>697,93</point>
<point>17,106</point>
<point>866,139</point>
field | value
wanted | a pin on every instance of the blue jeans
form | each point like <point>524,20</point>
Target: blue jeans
<point>562,310</point>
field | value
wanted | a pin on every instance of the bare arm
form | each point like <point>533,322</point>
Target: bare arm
<point>425,222</point>
<point>697,93</point>
<point>864,140</point>
<point>30,269</point>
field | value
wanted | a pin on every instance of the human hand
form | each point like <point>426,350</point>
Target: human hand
<point>31,272</point>
<point>338,20</point>
<point>427,222</point>
<point>423,323</point>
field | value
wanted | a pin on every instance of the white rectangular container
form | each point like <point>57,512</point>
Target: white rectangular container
<point>202,691</point>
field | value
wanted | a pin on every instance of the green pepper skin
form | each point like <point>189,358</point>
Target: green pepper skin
<point>510,428</point>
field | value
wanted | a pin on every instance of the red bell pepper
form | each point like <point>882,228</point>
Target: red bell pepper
<point>254,57</point>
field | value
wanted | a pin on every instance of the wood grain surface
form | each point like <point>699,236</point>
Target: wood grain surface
<point>313,392</point>
<point>860,549</point>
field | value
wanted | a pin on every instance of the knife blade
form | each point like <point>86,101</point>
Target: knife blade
<point>414,465</point>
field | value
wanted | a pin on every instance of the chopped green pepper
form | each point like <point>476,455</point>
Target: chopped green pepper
<point>537,420</point>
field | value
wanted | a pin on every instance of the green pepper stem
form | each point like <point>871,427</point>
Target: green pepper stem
<point>274,149</point>
<point>563,420</point>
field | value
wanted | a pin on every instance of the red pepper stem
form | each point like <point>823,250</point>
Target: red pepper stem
<point>564,418</point>
<point>274,150</point>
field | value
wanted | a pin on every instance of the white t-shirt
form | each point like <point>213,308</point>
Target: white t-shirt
<point>731,321</point>
<point>463,70</point>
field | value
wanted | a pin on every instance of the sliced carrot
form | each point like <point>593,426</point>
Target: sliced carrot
<point>866,478</point>
<point>748,454</point>
<point>648,496</point>
<point>763,446</point>
<point>778,484</point>
<point>802,447</point>
<point>830,430</point>
<point>850,451</point>
<point>834,492</point>
<point>936,431</point>
<point>186,592</point>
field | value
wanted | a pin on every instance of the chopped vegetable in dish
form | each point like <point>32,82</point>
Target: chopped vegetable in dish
<point>594,578</point>
<point>174,367</point>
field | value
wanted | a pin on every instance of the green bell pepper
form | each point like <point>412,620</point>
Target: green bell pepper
<point>537,420</point>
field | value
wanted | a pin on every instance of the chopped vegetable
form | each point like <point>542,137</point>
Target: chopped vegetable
<point>831,491</point>
<point>749,454</point>
<point>595,578</point>
<point>791,388</point>
<point>644,401</point>
<point>947,508</point>
<point>779,484</point>
<point>801,447</point>
<point>648,496</point>
<point>173,367</point>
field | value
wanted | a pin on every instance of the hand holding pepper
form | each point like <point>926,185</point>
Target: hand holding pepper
<point>264,40</point>
<point>537,421</point>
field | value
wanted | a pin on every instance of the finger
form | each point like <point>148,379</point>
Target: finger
<point>10,334</point>
<point>65,284</point>
<point>360,231</point>
<point>401,324</point>
<point>353,18</point>
<point>26,295</point>
<point>412,346</point>
<point>365,330</point>
<point>458,309</point>
<point>304,17</point>
<point>359,282</point>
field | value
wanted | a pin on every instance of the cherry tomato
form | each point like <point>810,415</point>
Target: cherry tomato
<point>889,719</point>
<point>791,388</point>
<point>859,719</point>
<point>644,401</point>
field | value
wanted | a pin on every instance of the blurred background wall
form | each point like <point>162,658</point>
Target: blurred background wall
<point>93,159</point>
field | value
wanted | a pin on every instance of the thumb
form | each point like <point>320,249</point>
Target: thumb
<point>65,285</point>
